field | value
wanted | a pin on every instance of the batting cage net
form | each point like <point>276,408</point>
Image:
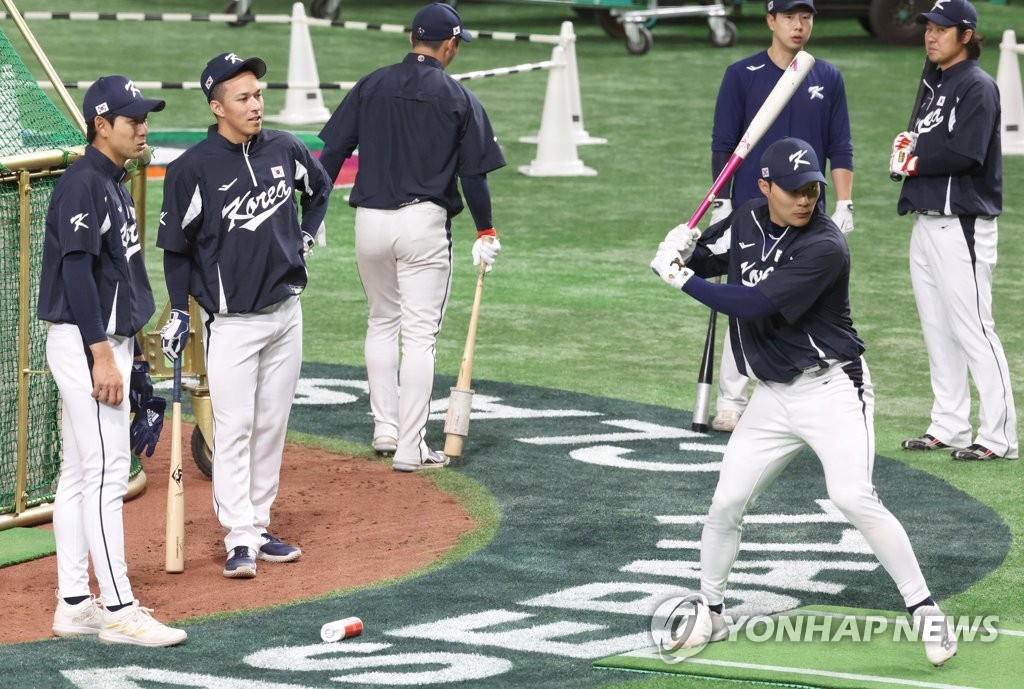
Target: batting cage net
<point>30,126</point>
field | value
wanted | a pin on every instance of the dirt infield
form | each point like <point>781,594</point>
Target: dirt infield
<point>357,522</point>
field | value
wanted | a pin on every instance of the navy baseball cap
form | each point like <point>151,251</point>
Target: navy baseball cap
<point>227,65</point>
<point>791,163</point>
<point>438,22</point>
<point>790,5</point>
<point>117,95</point>
<point>950,13</point>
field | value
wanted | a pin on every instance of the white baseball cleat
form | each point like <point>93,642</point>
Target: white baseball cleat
<point>385,445</point>
<point>435,459</point>
<point>934,630</point>
<point>77,620</point>
<point>725,421</point>
<point>135,626</point>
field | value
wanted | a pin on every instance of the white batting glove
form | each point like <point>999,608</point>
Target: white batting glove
<point>683,239</point>
<point>905,141</point>
<point>308,242</point>
<point>174,334</point>
<point>669,266</point>
<point>903,163</point>
<point>720,210</point>
<point>486,248</point>
<point>843,216</point>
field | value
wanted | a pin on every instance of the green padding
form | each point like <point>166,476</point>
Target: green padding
<point>989,660</point>
<point>21,545</point>
<point>184,138</point>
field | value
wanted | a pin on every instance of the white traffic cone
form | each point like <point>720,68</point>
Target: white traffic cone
<point>556,145</point>
<point>1008,80</point>
<point>567,39</point>
<point>302,105</point>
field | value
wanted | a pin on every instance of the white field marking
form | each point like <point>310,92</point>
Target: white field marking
<point>323,391</point>
<point>441,667</point>
<point>876,679</point>
<point>486,407</point>
<point>795,575</point>
<point>124,677</point>
<point>830,515</point>
<point>471,629</point>
<point>643,431</point>
<point>611,456</point>
<point>644,599</point>
<point>851,541</point>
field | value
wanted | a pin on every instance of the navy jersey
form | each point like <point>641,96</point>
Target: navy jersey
<point>232,208</point>
<point>959,113</point>
<point>91,212</point>
<point>804,272</point>
<point>817,114</point>
<point>416,129</point>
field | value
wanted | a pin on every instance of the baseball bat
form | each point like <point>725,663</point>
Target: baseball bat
<point>918,99</point>
<point>787,85</point>
<point>174,537</point>
<point>460,402</point>
<point>704,379</point>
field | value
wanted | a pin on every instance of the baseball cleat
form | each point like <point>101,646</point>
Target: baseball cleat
<point>240,564</point>
<point>934,630</point>
<point>276,550</point>
<point>725,421</point>
<point>385,445</point>
<point>975,453</point>
<point>135,626</point>
<point>925,442</point>
<point>77,620</point>
<point>719,628</point>
<point>435,459</point>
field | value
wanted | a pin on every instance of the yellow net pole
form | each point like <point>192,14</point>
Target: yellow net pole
<point>25,263</point>
<point>51,74</point>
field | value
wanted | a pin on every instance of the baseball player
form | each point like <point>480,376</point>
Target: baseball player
<point>417,130</point>
<point>787,298</point>
<point>232,238</point>
<point>953,185</point>
<point>817,114</point>
<point>94,291</point>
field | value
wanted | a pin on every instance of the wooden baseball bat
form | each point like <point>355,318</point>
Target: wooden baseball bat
<point>928,67</point>
<point>174,537</point>
<point>460,402</point>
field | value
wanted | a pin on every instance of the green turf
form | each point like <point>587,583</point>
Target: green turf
<point>572,303</point>
<point>21,545</point>
<point>821,647</point>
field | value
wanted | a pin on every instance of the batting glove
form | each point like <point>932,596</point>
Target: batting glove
<point>905,141</point>
<point>843,216</point>
<point>174,334</point>
<point>147,424</point>
<point>308,242</point>
<point>669,266</point>
<point>140,387</point>
<point>683,239</point>
<point>903,163</point>
<point>720,210</point>
<point>486,248</point>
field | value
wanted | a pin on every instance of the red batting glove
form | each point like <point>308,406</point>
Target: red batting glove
<point>903,163</point>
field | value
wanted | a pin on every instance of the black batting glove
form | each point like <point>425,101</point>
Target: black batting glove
<point>140,387</point>
<point>146,426</point>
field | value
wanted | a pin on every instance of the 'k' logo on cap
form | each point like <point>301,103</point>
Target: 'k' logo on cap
<point>798,159</point>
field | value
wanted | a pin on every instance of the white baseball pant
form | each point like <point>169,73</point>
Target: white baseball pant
<point>405,265</point>
<point>252,363</point>
<point>87,511</point>
<point>732,385</point>
<point>953,290</point>
<point>833,415</point>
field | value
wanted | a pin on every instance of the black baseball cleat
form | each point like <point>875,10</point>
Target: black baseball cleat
<point>975,453</point>
<point>925,442</point>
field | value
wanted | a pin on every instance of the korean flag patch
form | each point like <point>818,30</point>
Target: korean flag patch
<point>277,171</point>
